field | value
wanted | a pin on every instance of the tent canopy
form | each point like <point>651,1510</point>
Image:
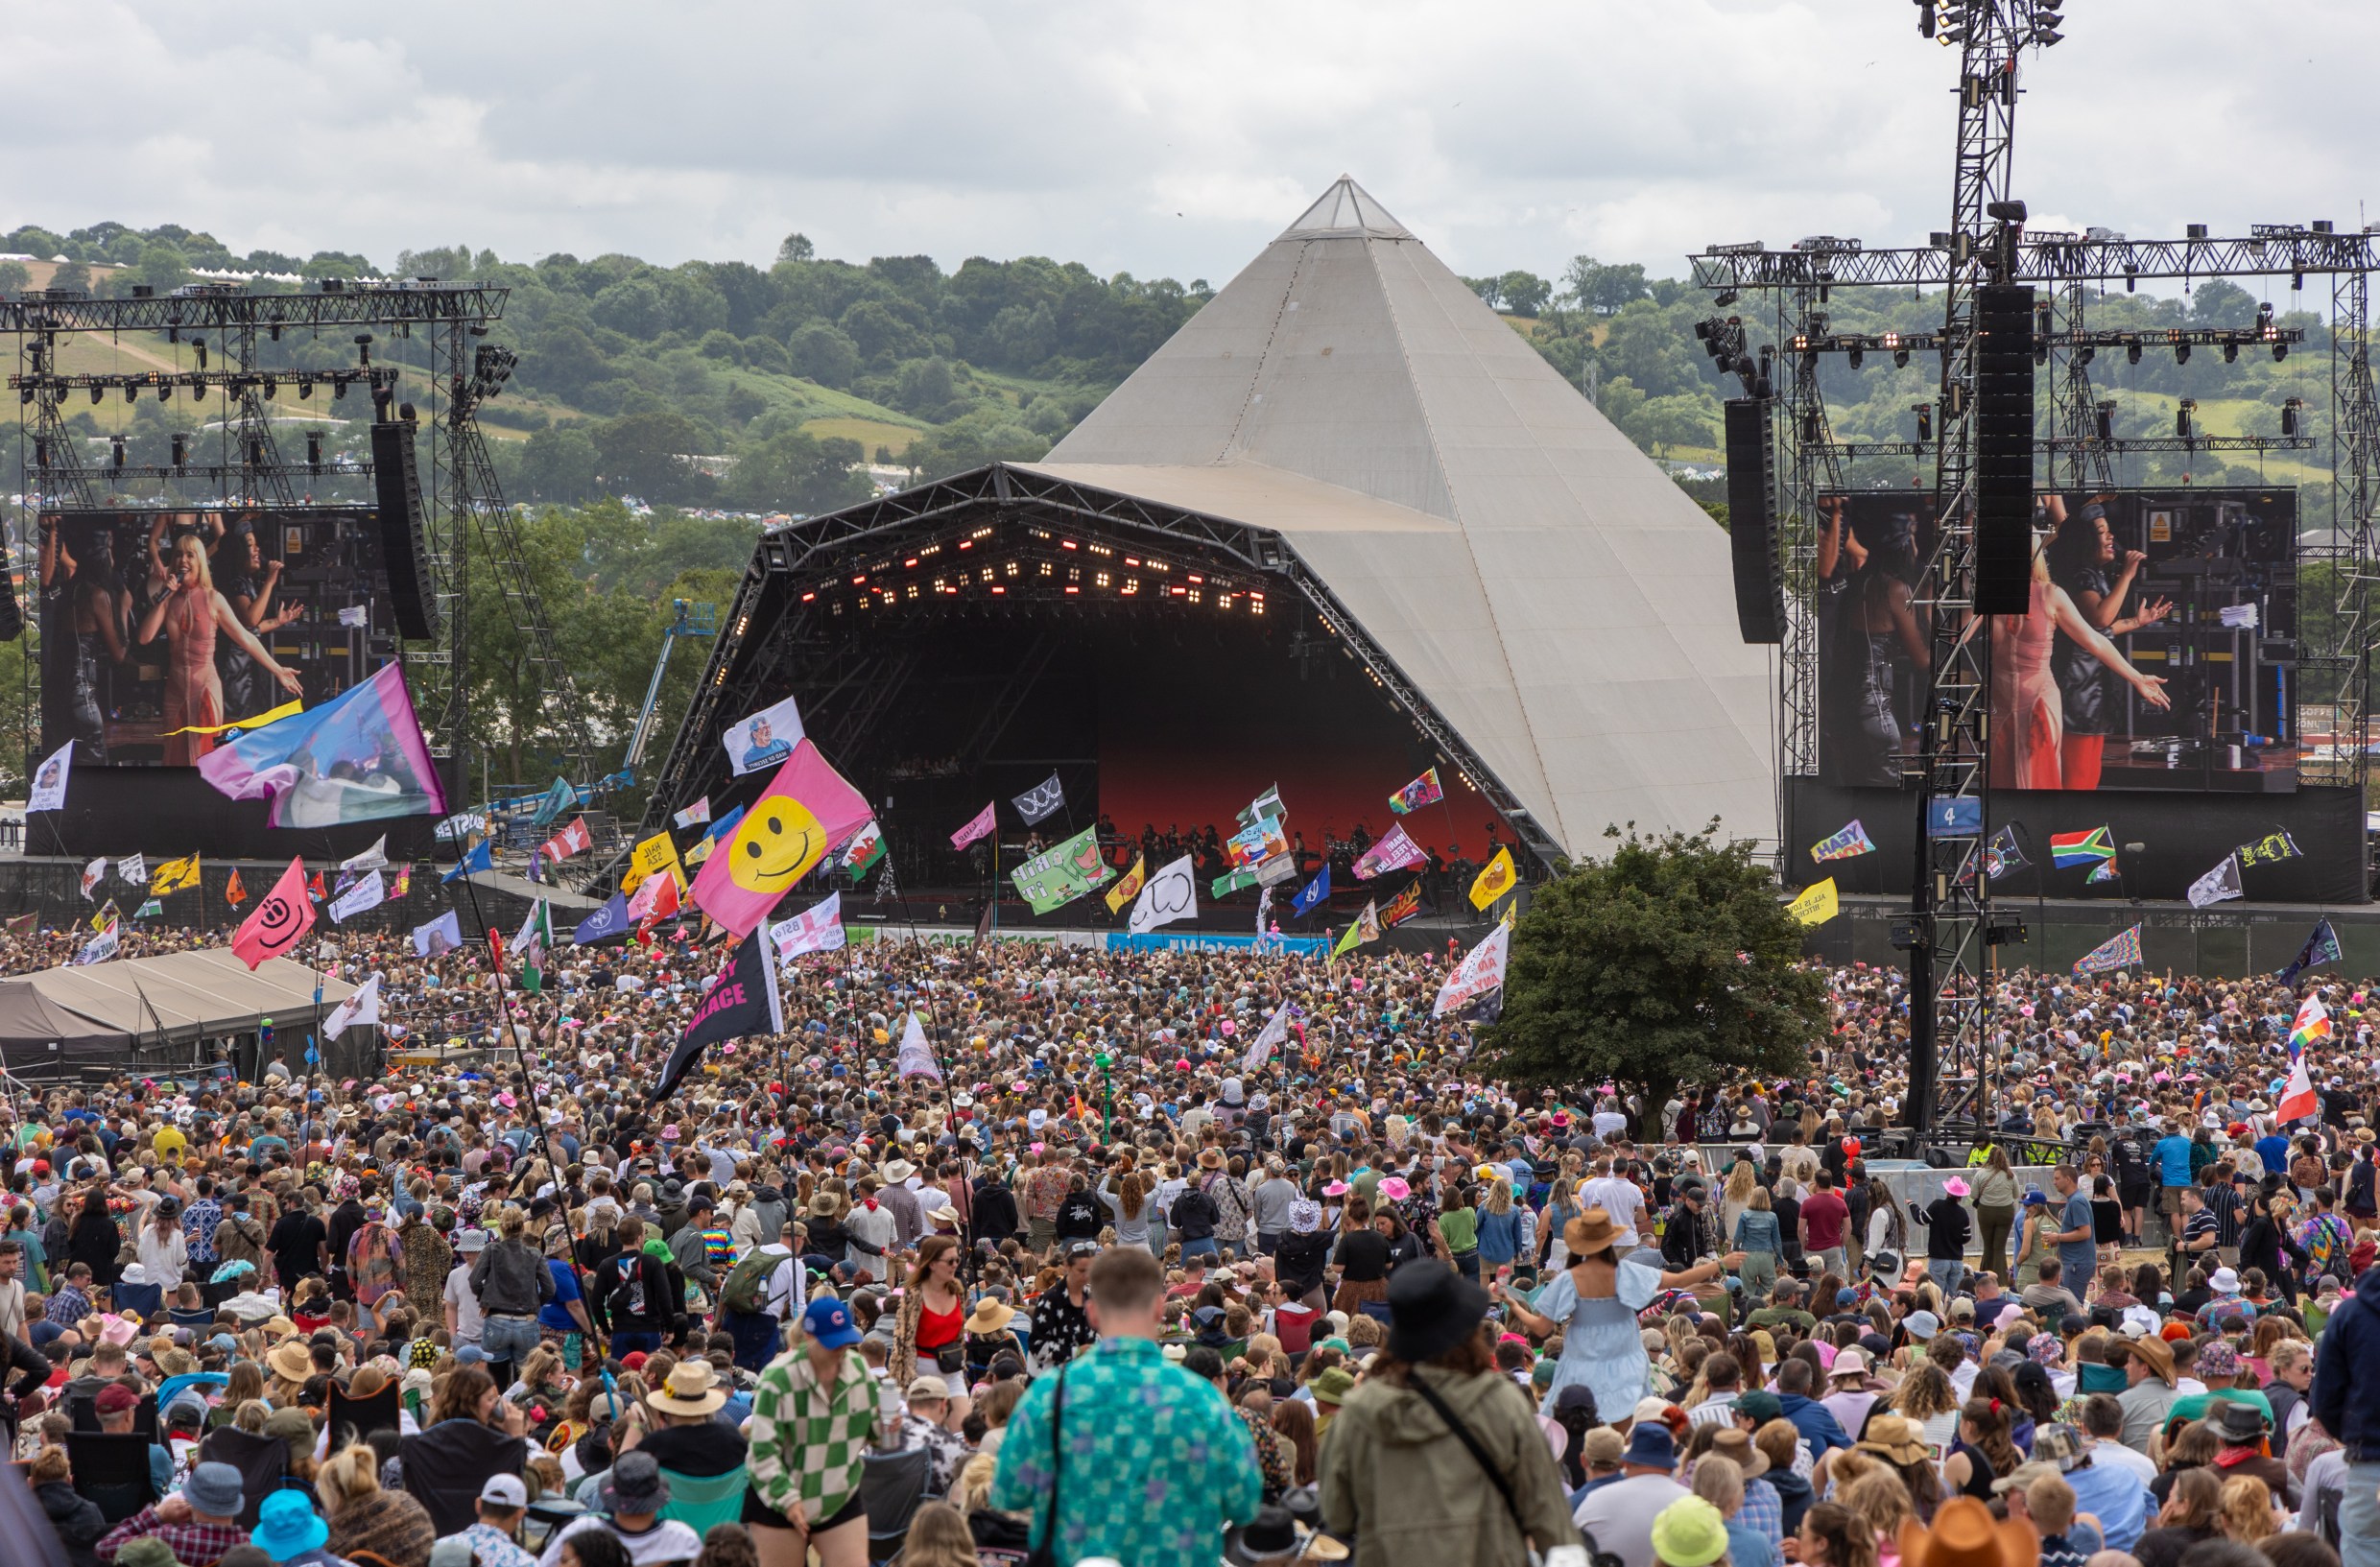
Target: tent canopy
<point>32,1024</point>
<point>179,996</point>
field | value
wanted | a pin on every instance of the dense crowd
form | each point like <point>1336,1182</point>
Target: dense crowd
<point>1135,1278</point>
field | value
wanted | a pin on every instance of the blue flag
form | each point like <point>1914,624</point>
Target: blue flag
<point>610,920</point>
<point>726,824</point>
<point>482,856</point>
<point>1316,890</point>
<point>2321,947</point>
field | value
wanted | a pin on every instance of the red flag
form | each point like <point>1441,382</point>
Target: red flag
<point>280,921</point>
<point>2299,1098</point>
<point>572,840</point>
<point>233,892</point>
<point>664,904</point>
<point>314,888</point>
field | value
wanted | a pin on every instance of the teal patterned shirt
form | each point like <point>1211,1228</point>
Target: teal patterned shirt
<point>1157,1465</point>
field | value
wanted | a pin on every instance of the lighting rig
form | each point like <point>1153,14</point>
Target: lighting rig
<point>1951,926</point>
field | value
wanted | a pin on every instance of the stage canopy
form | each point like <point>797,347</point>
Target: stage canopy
<point>174,999</point>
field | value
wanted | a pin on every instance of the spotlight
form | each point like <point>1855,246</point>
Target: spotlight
<point>115,450</point>
<point>2181,353</point>
<point>131,392</point>
<point>1925,18</point>
<point>2230,353</point>
<point>2289,415</point>
<point>165,391</point>
<point>338,391</point>
<point>314,450</point>
<point>2085,354</point>
<point>96,394</point>
<point>305,387</point>
<point>2132,353</point>
<point>182,450</point>
<point>2181,417</point>
<point>199,349</point>
<point>198,392</point>
<point>1858,356</point>
<point>1925,421</point>
<point>272,386</point>
<point>1725,297</point>
<point>2280,351</point>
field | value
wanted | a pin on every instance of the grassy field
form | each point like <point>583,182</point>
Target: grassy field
<point>870,433</point>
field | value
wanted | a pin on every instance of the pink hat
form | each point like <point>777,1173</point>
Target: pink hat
<point>1337,1188</point>
<point>117,1330</point>
<point>1956,1187</point>
<point>1395,1189</point>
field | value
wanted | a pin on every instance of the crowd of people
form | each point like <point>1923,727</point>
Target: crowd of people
<point>1131,1278</point>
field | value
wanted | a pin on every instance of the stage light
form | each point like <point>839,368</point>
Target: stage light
<point>131,392</point>
<point>1925,421</point>
<point>2181,417</point>
<point>305,388</point>
<point>1858,354</point>
<point>1925,18</point>
<point>2230,353</point>
<point>314,450</point>
<point>337,390</point>
<point>200,349</point>
<point>198,392</point>
<point>165,391</point>
<point>2106,421</point>
<point>180,450</point>
<point>272,386</point>
<point>2085,354</point>
<point>2181,353</point>
<point>96,394</point>
<point>2280,351</point>
<point>2289,415</point>
<point>115,450</point>
<point>2132,353</point>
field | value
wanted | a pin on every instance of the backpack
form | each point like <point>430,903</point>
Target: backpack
<point>747,1288</point>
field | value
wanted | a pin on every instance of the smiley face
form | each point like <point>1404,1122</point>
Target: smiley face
<point>775,846</point>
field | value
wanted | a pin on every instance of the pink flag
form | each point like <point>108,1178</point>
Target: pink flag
<point>806,810</point>
<point>1393,851</point>
<point>280,921</point>
<point>983,823</point>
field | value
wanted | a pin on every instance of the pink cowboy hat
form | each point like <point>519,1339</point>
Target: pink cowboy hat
<point>1956,1187</point>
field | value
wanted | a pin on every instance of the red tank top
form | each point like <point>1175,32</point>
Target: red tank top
<point>935,1329</point>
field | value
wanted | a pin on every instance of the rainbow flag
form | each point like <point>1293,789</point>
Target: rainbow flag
<point>2116,952</point>
<point>2312,1027</point>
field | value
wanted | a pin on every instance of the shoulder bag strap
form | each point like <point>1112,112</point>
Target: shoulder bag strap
<point>1463,1433</point>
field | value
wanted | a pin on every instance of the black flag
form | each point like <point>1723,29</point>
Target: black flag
<point>2321,947</point>
<point>1041,800</point>
<point>743,1002</point>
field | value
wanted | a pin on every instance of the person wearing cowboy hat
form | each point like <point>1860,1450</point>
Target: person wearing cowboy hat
<point>690,1443</point>
<point>1274,1538</point>
<point>2149,1386</point>
<point>1396,1475</point>
<point>988,1334</point>
<point>1965,1533</point>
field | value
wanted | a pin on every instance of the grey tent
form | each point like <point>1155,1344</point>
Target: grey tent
<point>40,1035</point>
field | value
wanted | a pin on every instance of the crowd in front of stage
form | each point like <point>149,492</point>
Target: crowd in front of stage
<point>1123,1282</point>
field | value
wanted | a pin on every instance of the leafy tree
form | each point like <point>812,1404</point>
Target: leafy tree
<point>1671,963</point>
<point>985,434</point>
<point>823,352</point>
<point>15,278</point>
<point>558,464</point>
<point>1490,290</point>
<point>73,274</point>
<point>1523,293</point>
<point>1678,419</point>
<point>796,248</point>
<point>162,267</point>
<point>1605,291</point>
<point>792,471</point>
<point>924,387</point>
<point>643,455</point>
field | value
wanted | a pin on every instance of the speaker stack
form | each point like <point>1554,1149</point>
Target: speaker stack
<point>404,538</point>
<point>1751,519</point>
<point>2003,366</point>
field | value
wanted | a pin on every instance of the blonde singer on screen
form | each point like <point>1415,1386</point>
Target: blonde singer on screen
<point>2028,715</point>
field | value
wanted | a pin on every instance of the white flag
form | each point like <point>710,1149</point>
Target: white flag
<point>1171,894</point>
<point>2221,883</point>
<point>363,1006</point>
<point>818,928</point>
<point>1270,1040</point>
<point>916,1058</point>
<point>1480,972</point>
<point>49,781</point>
<point>375,858</point>
<point>357,615</point>
<point>91,875</point>
<point>133,868</point>
<point>369,894</point>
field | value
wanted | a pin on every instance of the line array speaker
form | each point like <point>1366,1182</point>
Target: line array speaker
<point>404,538</point>
<point>1751,519</point>
<point>2004,367</point>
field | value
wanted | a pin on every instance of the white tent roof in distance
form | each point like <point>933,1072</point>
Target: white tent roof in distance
<point>1552,593</point>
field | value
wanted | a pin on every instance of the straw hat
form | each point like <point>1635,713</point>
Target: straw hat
<point>692,1389</point>
<point>290,1359</point>
<point>1895,1437</point>
<point>990,1316</point>
<point>1590,1232</point>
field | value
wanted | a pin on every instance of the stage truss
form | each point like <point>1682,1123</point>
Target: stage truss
<point>1952,929</point>
<point>219,335</point>
<point>999,535</point>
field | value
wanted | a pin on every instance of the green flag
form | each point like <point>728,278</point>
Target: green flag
<point>1062,875</point>
<point>1231,882</point>
<point>861,854</point>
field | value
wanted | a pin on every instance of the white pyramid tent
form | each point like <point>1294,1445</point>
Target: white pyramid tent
<point>1559,601</point>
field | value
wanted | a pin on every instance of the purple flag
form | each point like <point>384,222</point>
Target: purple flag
<point>358,757</point>
<point>983,823</point>
<point>1394,851</point>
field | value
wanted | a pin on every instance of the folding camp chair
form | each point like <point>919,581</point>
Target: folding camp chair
<point>892,1485</point>
<point>111,1469</point>
<point>353,1420</point>
<point>263,1462</point>
<point>701,1501</point>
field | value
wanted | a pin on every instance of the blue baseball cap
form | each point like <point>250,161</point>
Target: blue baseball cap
<point>2036,1197</point>
<point>828,1321</point>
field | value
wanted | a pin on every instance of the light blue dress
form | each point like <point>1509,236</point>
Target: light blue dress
<point>1602,1343</point>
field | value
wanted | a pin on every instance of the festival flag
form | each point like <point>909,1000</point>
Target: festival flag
<point>1497,878</point>
<point>133,868</point>
<point>2298,1101</point>
<point>235,892</point>
<point>370,893</point>
<point>819,928</point>
<point>1128,889</point>
<point>1231,882</point>
<point>24,924</point>
<point>2081,848</point>
<point>2311,1027</point>
<point>766,739</point>
<point>1422,791</point>
<point>241,726</point>
<point>1405,906</point>
<point>1312,894</point>
<point>1480,973</point>
<point>2221,883</point>
<point>358,757</point>
<point>982,826</point>
<point>649,859</point>
<point>2271,849</point>
<point>703,850</point>
<point>1043,800</point>
<point>575,839</point>
<point>149,908</point>
<point>1254,844</point>
<point>1062,872</point>
<point>479,857</point>
<point>1278,871</point>
<point>1848,843</point>
<point>1172,893</point>
<point>915,1056</point>
<point>356,615</point>
<point>1393,851</point>
<point>92,875</point>
<point>2120,951</point>
<point>107,912</point>
<point>281,919</point>
<point>173,876</point>
<point>554,802</point>
<point>693,816</point>
<point>861,854</point>
<point>49,780</point>
<point>606,922</point>
<point>444,934</point>
<point>721,826</point>
<point>1366,928</point>
<point>2107,870</point>
<point>363,1006</point>
<point>1265,806</point>
<point>375,858</point>
<point>2321,947</point>
<point>2001,855</point>
<point>1816,905</point>
<point>654,900</point>
<point>99,948</point>
<point>743,1001</point>
<point>1270,1038</point>
<point>314,888</point>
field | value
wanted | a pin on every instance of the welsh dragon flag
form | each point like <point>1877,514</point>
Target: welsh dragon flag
<point>861,854</point>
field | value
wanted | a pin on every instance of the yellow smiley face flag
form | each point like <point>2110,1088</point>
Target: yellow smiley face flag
<point>806,810</point>
<point>1497,878</point>
<point>1816,904</point>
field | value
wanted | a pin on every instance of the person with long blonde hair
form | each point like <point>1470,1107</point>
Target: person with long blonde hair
<point>2246,1507</point>
<point>190,617</point>
<point>364,1516</point>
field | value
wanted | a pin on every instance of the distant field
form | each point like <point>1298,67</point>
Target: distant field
<point>870,433</point>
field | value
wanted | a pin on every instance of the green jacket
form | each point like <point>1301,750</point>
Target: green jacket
<point>1402,1486</point>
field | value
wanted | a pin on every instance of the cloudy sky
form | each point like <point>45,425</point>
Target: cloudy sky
<point>1159,139</point>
